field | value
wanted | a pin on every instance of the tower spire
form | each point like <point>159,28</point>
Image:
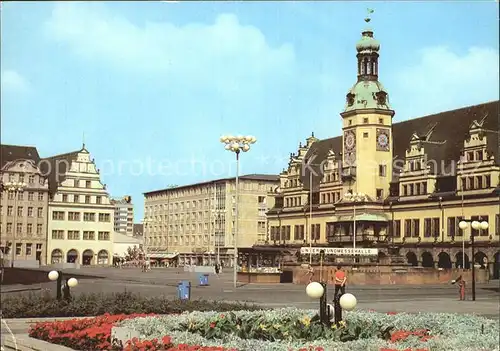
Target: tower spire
<point>367,48</point>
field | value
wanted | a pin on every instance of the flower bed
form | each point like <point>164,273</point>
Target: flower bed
<point>277,330</point>
<point>294,329</point>
<point>95,334</point>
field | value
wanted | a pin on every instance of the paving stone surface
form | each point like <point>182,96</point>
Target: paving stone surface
<point>414,299</point>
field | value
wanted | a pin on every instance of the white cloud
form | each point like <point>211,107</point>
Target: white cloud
<point>224,54</point>
<point>443,80</point>
<point>13,82</point>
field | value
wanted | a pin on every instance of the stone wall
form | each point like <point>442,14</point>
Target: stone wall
<point>389,275</point>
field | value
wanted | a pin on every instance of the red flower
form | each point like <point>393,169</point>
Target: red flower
<point>212,325</point>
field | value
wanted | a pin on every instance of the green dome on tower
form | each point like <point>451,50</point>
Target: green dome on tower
<point>367,42</point>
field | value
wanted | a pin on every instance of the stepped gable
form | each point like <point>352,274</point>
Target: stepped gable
<point>443,134</point>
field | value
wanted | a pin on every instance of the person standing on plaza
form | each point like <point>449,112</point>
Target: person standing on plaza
<point>310,273</point>
<point>217,270</point>
<point>340,280</point>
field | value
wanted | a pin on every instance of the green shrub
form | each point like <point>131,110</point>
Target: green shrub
<point>45,304</point>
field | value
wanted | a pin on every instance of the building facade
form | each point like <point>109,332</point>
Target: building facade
<point>402,188</point>
<point>197,222</point>
<point>24,207</point>
<point>124,215</point>
<point>80,224</point>
<point>122,243</point>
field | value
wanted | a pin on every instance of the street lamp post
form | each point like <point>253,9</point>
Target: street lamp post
<point>355,198</point>
<point>60,289</point>
<point>236,145</point>
<point>15,188</point>
<point>464,224</point>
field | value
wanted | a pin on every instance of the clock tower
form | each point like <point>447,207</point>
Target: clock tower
<point>367,123</point>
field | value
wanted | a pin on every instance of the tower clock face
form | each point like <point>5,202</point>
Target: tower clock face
<point>382,139</point>
<point>349,140</point>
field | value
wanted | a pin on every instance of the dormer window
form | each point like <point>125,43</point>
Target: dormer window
<point>423,188</point>
<point>479,155</point>
<point>479,182</point>
<point>350,99</point>
<point>470,156</point>
<point>381,97</point>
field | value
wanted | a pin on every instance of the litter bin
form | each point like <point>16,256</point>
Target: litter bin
<point>203,278</point>
<point>184,290</point>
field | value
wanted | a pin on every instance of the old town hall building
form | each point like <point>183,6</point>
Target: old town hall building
<point>401,188</point>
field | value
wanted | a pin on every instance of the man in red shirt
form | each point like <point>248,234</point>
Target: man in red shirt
<point>340,280</point>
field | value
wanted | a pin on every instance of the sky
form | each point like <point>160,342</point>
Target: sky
<point>151,86</point>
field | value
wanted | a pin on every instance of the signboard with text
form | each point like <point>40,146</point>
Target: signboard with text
<point>339,251</point>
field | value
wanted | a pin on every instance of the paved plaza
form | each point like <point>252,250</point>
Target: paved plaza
<point>163,281</point>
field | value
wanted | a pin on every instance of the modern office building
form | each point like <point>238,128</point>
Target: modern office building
<point>24,206</point>
<point>80,222</point>
<point>124,215</point>
<point>402,188</point>
<point>196,223</point>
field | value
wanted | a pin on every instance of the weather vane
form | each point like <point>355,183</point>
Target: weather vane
<point>370,11</point>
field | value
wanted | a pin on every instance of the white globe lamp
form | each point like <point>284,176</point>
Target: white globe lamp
<point>53,275</point>
<point>348,302</point>
<point>463,225</point>
<point>484,225</point>
<point>314,290</point>
<point>72,282</point>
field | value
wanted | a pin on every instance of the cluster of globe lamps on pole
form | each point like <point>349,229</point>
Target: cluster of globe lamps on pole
<point>60,289</point>
<point>237,144</point>
<point>327,312</point>
<point>476,225</point>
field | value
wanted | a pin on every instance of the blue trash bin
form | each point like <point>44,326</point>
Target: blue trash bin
<point>184,290</point>
<point>203,278</point>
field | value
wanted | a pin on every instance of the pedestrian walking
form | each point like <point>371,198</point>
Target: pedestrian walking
<point>461,287</point>
<point>310,273</point>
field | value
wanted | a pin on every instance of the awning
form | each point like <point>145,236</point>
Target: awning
<point>362,217</point>
<point>166,255</point>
